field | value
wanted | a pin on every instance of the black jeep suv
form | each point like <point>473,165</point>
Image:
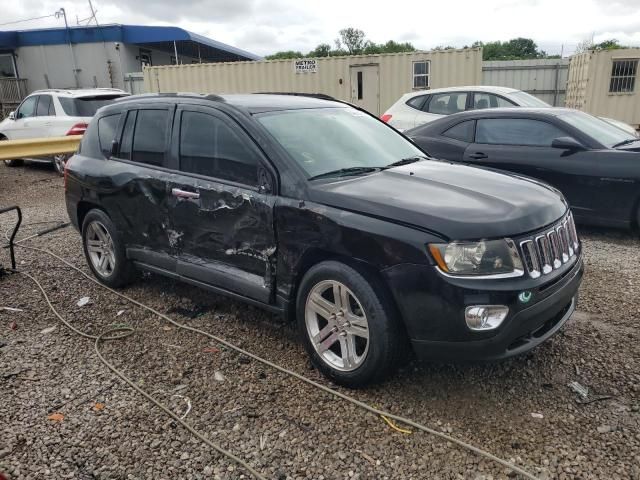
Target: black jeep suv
<point>319,211</point>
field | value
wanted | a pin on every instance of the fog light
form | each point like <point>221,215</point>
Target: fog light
<point>485,317</point>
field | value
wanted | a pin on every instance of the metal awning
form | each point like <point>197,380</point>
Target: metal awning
<point>154,37</point>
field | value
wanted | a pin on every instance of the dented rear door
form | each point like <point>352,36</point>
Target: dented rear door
<point>224,232</point>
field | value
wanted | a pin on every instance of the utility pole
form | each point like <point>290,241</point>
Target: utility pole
<point>175,50</point>
<point>62,13</point>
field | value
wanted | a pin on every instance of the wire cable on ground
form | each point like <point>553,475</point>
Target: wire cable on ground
<point>268,363</point>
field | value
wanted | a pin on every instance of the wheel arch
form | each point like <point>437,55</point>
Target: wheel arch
<point>85,207</point>
<point>314,256</point>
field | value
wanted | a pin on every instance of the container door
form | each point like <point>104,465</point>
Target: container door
<point>365,87</point>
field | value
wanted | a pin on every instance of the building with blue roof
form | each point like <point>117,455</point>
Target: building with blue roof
<point>110,56</point>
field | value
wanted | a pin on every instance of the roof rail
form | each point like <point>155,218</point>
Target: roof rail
<point>320,96</point>
<point>211,96</point>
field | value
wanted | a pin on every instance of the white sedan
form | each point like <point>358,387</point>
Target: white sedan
<point>55,113</point>
<point>417,108</point>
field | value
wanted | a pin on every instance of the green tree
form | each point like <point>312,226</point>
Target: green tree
<point>285,55</point>
<point>514,49</point>
<point>352,39</point>
<point>611,44</point>
<point>396,47</point>
<point>322,50</point>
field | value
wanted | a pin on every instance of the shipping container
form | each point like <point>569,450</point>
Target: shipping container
<point>373,82</point>
<point>606,83</point>
<point>544,78</point>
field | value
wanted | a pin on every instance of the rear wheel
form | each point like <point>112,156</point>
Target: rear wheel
<point>104,250</point>
<point>347,325</point>
<point>59,162</point>
<point>11,163</point>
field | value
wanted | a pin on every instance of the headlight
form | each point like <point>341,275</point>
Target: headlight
<point>485,258</point>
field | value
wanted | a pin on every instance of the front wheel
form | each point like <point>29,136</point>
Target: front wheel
<point>104,251</point>
<point>348,325</point>
<point>13,163</point>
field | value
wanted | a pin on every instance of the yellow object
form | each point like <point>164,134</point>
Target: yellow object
<point>38,147</point>
<point>395,427</point>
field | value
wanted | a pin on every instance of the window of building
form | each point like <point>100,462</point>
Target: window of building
<point>150,137</point>
<point>623,76</point>
<point>421,71</point>
<point>28,108</point>
<point>462,131</point>
<point>7,66</point>
<point>516,131</point>
<point>145,58</point>
<point>107,132</point>
<point>45,106</point>
<point>447,103</point>
<point>210,147</point>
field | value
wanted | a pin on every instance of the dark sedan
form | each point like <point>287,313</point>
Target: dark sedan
<point>595,164</point>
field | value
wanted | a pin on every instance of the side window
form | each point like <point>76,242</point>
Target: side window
<point>107,132</point>
<point>489,100</point>
<point>516,131</point>
<point>127,136</point>
<point>150,137</point>
<point>209,146</point>
<point>28,108</point>
<point>44,105</point>
<point>417,102</point>
<point>447,103</point>
<point>462,131</point>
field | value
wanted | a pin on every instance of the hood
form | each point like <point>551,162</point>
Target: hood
<point>456,201</point>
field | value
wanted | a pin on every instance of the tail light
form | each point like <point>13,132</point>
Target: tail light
<point>78,129</point>
<point>386,117</point>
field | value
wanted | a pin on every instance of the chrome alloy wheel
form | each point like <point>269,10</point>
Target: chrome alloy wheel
<point>100,248</point>
<point>337,325</point>
<point>59,162</point>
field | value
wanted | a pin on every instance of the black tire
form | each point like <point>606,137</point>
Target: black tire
<point>13,163</point>
<point>123,271</point>
<point>385,337</point>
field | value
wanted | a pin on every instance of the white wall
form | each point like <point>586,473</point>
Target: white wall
<point>99,64</point>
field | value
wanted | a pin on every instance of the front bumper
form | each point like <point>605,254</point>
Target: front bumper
<point>435,320</point>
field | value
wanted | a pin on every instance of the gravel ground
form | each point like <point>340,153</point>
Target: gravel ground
<point>286,429</point>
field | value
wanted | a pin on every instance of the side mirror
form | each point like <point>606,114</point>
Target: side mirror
<point>114,148</point>
<point>567,143</point>
<point>12,115</point>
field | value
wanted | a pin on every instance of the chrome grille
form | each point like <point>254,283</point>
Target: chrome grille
<point>550,249</point>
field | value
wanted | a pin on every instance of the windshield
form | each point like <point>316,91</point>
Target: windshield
<point>85,106</point>
<point>524,99</point>
<point>322,140</point>
<point>601,131</point>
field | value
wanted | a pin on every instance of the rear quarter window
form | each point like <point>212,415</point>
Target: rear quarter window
<point>462,131</point>
<point>417,102</point>
<point>107,127</point>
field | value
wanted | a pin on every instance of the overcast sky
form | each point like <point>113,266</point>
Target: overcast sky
<point>267,26</point>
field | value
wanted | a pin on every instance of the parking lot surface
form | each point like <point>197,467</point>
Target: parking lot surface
<point>521,410</point>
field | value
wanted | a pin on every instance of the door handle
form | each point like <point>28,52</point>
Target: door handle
<point>176,192</point>
<point>478,155</point>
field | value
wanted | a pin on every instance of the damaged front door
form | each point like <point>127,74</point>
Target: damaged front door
<point>222,217</point>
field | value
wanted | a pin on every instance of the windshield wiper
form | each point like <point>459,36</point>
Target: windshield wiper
<point>342,172</point>
<point>625,142</point>
<point>405,161</point>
